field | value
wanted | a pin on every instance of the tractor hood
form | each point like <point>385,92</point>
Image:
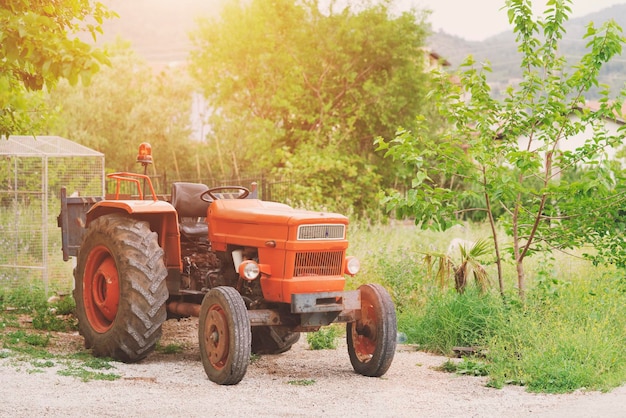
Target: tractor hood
<point>256,211</point>
<point>252,219</point>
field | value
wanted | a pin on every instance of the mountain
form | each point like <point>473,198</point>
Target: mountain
<point>158,31</point>
<point>501,50</point>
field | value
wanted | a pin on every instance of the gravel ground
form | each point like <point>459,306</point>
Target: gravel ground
<point>299,383</point>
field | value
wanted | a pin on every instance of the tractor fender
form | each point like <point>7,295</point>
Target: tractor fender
<point>161,216</point>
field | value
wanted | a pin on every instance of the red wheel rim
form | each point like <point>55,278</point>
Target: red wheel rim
<point>216,337</point>
<point>364,333</point>
<point>101,289</point>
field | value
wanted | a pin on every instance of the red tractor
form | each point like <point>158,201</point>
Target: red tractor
<point>256,273</point>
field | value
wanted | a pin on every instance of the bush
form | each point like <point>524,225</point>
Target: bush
<point>451,319</point>
<point>568,335</point>
<point>561,343</point>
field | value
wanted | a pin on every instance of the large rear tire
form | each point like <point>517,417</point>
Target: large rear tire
<point>225,336</point>
<point>372,339</point>
<point>120,288</point>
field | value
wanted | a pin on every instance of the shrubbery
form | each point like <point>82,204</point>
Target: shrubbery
<point>568,334</point>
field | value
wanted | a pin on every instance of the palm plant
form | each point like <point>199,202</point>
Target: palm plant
<point>444,265</point>
<point>471,266</point>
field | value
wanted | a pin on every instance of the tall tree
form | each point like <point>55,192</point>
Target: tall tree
<point>39,44</point>
<point>510,153</point>
<point>128,103</point>
<point>304,90</point>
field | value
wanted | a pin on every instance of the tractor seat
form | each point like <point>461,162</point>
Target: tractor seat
<point>191,209</point>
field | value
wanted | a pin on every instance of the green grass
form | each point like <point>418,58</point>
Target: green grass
<point>449,319</point>
<point>42,364</point>
<point>23,299</point>
<point>25,347</point>
<point>34,340</point>
<point>324,339</point>
<point>169,349</point>
<point>564,341</point>
<point>31,299</point>
<point>466,367</point>
<point>85,374</point>
<point>569,334</point>
<point>301,382</point>
<point>30,346</point>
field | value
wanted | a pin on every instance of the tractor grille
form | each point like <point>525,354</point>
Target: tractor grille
<point>326,263</point>
<point>319,232</point>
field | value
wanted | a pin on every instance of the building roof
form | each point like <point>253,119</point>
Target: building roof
<point>620,117</point>
<point>53,146</point>
<point>438,58</point>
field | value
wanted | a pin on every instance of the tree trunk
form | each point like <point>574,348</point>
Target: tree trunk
<point>521,280</point>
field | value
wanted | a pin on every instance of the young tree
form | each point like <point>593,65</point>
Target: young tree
<point>509,154</point>
<point>39,44</point>
<point>302,89</point>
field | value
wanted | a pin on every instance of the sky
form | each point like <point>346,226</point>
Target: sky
<point>476,20</point>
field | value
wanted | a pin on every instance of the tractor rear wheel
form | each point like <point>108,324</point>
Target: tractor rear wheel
<point>372,339</point>
<point>273,339</point>
<point>225,335</point>
<point>120,288</point>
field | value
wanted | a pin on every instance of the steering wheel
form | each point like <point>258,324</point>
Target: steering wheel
<point>209,195</point>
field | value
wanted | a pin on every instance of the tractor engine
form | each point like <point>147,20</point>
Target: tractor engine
<point>204,269</point>
<point>199,264</point>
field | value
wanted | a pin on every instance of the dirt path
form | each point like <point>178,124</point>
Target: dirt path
<point>299,383</point>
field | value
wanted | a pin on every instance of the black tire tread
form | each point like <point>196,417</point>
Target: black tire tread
<point>240,332</point>
<point>386,336</point>
<point>143,291</point>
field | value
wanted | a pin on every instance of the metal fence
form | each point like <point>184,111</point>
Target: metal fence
<point>272,188</point>
<point>32,171</point>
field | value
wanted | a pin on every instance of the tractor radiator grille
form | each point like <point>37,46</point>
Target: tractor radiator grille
<point>327,263</point>
<point>323,231</point>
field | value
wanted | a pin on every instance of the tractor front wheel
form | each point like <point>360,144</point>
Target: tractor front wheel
<point>372,339</point>
<point>225,335</point>
<point>120,288</point>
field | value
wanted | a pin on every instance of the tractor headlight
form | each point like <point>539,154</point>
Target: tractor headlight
<point>353,265</point>
<point>249,270</point>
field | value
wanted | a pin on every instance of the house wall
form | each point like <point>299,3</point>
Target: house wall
<point>577,141</point>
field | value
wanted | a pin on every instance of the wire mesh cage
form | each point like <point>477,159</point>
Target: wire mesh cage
<point>32,172</point>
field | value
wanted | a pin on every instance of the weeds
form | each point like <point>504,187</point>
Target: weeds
<point>453,319</point>
<point>32,300</point>
<point>565,342</point>
<point>24,299</point>
<point>84,374</point>
<point>324,339</point>
<point>301,382</point>
<point>466,367</point>
<point>32,347</point>
<point>169,349</point>
<point>20,336</point>
<point>568,334</point>
<point>42,364</point>
<point>48,320</point>
<point>470,367</point>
